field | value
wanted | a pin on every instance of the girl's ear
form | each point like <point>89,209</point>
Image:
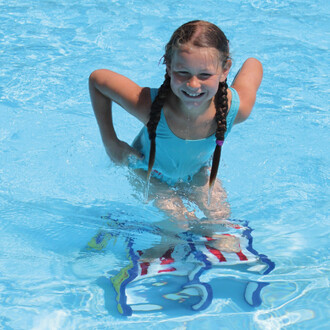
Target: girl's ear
<point>225,71</point>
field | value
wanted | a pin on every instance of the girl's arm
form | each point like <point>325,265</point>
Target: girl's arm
<point>246,83</point>
<point>106,86</point>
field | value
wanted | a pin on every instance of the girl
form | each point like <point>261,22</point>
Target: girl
<point>187,119</point>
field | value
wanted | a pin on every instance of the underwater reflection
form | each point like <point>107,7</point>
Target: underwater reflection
<point>167,275</point>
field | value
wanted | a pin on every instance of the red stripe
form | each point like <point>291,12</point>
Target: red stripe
<point>241,255</point>
<point>144,267</point>
<point>167,258</point>
<point>217,253</point>
<point>172,269</point>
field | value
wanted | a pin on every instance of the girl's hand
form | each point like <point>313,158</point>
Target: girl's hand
<point>122,153</point>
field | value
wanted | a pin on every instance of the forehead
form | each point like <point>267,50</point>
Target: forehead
<point>189,55</point>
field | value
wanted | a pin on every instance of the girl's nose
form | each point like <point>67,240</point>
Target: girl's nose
<point>194,82</point>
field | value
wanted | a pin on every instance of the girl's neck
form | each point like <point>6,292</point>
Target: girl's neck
<point>178,109</point>
<point>190,124</point>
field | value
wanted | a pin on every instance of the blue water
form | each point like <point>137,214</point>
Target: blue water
<point>56,180</point>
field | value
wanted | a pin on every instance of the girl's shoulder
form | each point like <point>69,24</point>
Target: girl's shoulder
<point>247,83</point>
<point>133,98</point>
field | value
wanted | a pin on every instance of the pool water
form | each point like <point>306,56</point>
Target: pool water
<point>57,184</point>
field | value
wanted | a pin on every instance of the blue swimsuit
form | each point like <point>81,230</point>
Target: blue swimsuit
<point>178,159</point>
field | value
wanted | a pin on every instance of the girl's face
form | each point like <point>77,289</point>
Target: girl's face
<point>195,75</point>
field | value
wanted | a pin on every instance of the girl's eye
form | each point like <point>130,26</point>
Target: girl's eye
<point>183,73</point>
<point>205,75</point>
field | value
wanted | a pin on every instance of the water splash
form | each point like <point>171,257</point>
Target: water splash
<point>146,191</point>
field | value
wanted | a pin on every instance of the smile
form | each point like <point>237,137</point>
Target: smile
<point>193,95</point>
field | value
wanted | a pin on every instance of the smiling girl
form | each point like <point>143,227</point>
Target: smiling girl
<point>187,119</point>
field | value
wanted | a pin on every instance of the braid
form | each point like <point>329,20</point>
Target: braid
<point>155,112</point>
<point>221,106</point>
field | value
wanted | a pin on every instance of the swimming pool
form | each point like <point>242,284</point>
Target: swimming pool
<point>56,182</point>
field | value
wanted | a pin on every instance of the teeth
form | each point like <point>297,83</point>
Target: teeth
<point>192,95</point>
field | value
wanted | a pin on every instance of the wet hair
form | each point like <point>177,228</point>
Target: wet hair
<point>199,34</point>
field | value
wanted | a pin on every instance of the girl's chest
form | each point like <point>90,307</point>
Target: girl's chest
<point>192,130</point>
<point>189,128</point>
